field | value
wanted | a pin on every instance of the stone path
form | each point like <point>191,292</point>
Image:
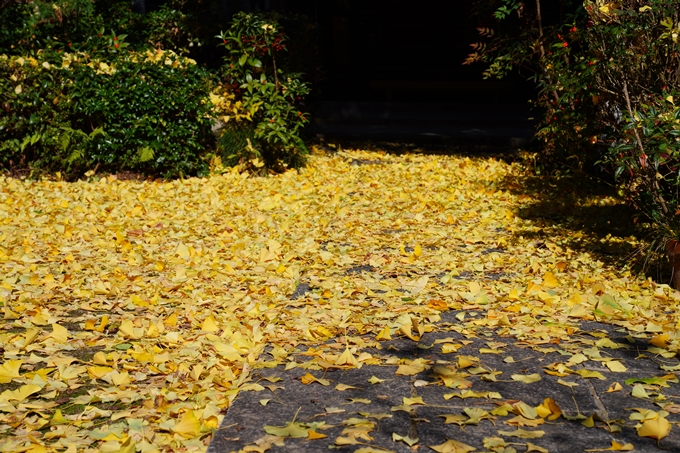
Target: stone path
<point>370,417</point>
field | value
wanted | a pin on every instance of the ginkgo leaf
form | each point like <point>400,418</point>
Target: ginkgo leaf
<point>343,387</point>
<point>30,336</point>
<point>183,251</point>
<point>128,329</point>
<point>549,280</point>
<point>313,435</point>
<point>188,426</point>
<point>615,387</point>
<point>128,446</point>
<point>526,378</point>
<point>549,409</point>
<point>521,421</point>
<point>452,446</point>
<point>340,440</point>
<point>413,401</point>
<point>525,410</point>
<point>58,418</point>
<point>10,370</point>
<point>209,325</point>
<point>309,378</point>
<point>615,447</point>
<point>524,434</point>
<point>591,374</point>
<point>59,333</point>
<point>20,394</point>
<point>411,369</point>
<point>569,384</point>
<point>532,447</point>
<point>474,288</point>
<point>406,439</point>
<point>375,380</point>
<point>467,361</point>
<point>657,428</point>
<point>639,391</point>
<point>384,334</point>
<point>458,419</point>
<point>616,366</point>
<point>292,429</point>
<point>347,358</point>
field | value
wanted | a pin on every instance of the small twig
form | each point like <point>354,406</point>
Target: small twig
<point>651,178</point>
<point>630,112</point>
<point>540,41</point>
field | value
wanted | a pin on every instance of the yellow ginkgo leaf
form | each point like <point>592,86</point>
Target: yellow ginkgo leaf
<point>615,447</point>
<point>292,430</point>
<point>102,324</point>
<point>347,358</point>
<point>474,288</point>
<point>343,387</point>
<point>526,378</point>
<point>384,334</point>
<point>128,330</point>
<point>452,446</point>
<point>10,370</point>
<point>413,401</point>
<point>183,251</point>
<point>209,325</point>
<point>20,394</point>
<point>58,418</point>
<point>127,447</point>
<point>98,372</point>
<point>657,428</point>
<point>549,280</point>
<point>30,336</point>
<point>523,434</point>
<point>615,387</point>
<point>313,435</point>
<point>59,333</point>
<point>406,439</point>
<point>189,426</point>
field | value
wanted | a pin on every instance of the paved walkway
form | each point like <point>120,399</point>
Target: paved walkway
<point>453,386</point>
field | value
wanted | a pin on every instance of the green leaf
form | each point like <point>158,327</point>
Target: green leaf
<point>145,154</point>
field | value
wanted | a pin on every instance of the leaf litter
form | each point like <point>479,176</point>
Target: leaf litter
<point>135,312</point>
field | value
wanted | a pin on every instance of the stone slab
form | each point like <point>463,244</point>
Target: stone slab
<point>291,399</point>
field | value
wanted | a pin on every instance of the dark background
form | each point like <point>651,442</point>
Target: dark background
<point>396,50</point>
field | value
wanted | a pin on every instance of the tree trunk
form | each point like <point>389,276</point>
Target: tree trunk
<point>673,253</point>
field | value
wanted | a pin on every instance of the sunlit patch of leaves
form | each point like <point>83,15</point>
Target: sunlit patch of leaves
<point>134,312</point>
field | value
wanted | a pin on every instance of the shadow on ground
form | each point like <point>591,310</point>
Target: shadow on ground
<point>451,385</point>
<point>586,214</point>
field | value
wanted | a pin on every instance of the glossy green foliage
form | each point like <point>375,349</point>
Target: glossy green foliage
<point>256,47</point>
<point>146,113</point>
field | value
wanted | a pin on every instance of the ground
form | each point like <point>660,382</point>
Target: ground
<point>135,312</point>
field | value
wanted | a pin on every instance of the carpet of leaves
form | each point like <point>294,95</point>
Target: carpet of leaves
<point>133,312</point>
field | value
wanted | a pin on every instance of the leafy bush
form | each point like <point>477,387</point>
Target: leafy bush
<point>81,89</point>
<point>268,134</point>
<point>608,79</point>
<point>148,113</point>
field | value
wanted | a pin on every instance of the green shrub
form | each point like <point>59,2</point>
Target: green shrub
<point>271,97</point>
<point>144,112</point>
<point>608,79</point>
